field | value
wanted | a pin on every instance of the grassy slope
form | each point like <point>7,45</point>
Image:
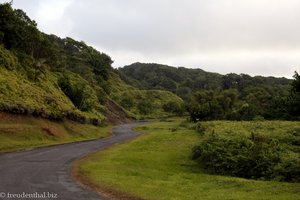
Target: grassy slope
<point>44,97</point>
<point>15,89</point>
<point>22,132</point>
<point>158,166</point>
<point>157,98</point>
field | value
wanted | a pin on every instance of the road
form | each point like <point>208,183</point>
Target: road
<point>46,172</point>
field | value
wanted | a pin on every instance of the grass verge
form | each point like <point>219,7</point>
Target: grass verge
<point>18,132</point>
<point>159,166</point>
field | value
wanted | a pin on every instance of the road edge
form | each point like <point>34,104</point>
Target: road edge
<point>103,191</point>
<point>110,134</point>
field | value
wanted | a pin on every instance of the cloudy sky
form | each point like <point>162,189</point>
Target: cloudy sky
<point>258,37</point>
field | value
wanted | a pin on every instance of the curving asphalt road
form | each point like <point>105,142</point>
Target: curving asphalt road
<point>46,172</point>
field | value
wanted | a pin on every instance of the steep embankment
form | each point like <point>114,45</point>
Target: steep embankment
<point>19,132</point>
<point>44,96</point>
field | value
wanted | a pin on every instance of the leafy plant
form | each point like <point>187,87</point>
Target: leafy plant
<point>256,157</point>
<point>144,107</point>
<point>200,128</point>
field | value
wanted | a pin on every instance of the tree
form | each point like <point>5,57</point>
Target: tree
<point>198,112</point>
<point>19,32</point>
<point>228,99</point>
<point>204,106</point>
<point>296,83</point>
<point>174,107</point>
<point>231,81</point>
<point>294,99</point>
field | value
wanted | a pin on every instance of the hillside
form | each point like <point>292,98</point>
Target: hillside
<point>60,78</point>
<point>214,96</point>
<point>183,81</point>
<point>177,80</point>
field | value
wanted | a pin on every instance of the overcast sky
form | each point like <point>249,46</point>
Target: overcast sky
<point>258,37</point>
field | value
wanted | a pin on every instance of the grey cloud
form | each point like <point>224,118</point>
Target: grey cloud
<point>249,36</point>
<point>174,25</point>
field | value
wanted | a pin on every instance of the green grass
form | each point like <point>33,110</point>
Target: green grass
<point>159,165</point>
<point>157,98</point>
<point>24,132</point>
<point>42,96</point>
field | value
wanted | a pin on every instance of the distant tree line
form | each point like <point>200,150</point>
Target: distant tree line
<point>211,96</point>
<point>258,103</point>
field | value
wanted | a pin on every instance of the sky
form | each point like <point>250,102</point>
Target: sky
<point>256,37</point>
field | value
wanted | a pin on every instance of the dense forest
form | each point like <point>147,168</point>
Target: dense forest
<point>214,96</point>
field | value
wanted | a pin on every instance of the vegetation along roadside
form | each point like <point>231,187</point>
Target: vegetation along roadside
<point>160,164</point>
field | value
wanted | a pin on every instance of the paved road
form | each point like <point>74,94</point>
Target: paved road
<point>49,169</point>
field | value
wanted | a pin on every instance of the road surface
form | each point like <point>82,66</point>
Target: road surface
<point>46,172</point>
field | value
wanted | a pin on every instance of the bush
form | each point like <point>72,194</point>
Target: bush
<point>258,118</point>
<point>80,93</point>
<point>144,107</point>
<point>127,102</point>
<point>199,112</point>
<point>174,107</point>
<point>185,124</point>
<point>95,121</point>
<point>16,108</point>
<point>75,116</point>
<point>7,59</point>
<point>289,169</point>
<point>200,128</point>
<point>255,157</point>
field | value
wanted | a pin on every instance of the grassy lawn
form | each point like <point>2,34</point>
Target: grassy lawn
<point>158,165</point>
<point>22,132</point>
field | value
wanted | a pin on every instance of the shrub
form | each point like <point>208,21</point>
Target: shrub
<point>144,107</point>
<point>200,128</point>
<point>256,157</point>
<point>258,118</point>
<point>174,107</point>
<point>7,59</point>
<point>173,129</point>
<point>95,121</point>
<point>80,93</point>
<point>75,116</point>
<point>185,124</point>
<point>127,102</point>
<point>288,169</point>
<point>16,108</point>
<point>199,112</point>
